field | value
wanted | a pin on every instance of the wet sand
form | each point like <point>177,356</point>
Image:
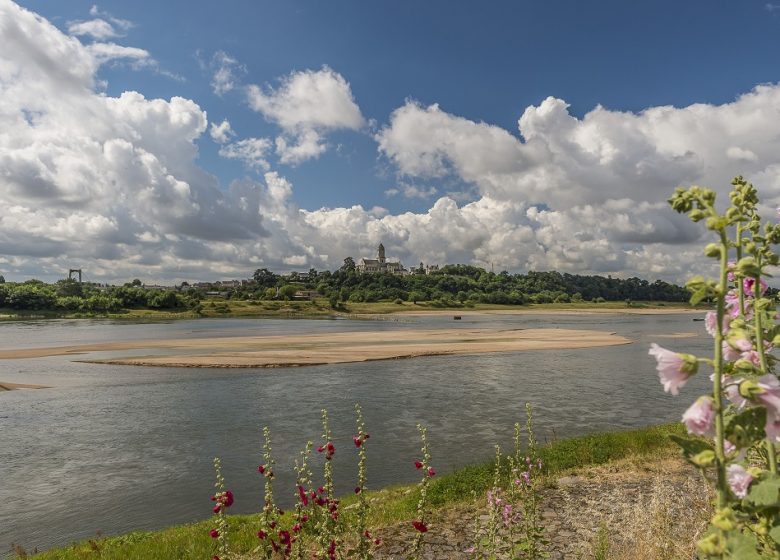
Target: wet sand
<point>330,348</point>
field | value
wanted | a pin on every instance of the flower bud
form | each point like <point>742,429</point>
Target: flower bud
<point>712,250</point>
<point>725,520</point>
<point>748,266</point>
<point>704,459</point>
<point>712,545</point>
<point>697,215</point>
<point>749,389</point>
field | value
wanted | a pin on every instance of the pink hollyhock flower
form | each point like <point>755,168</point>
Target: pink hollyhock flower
<point>770,397</point>
<point>700,417</point>
<point>420,526</point>
<point>711,323</point>
<point>729,353</point>
<point>673,370</point>
<point>753,357</point>
<point>748,285</point>
<point>772,428</point>
<point>739,480</point>
<point>507,515</point>
<point>214,533</point>
<point>731,276</point>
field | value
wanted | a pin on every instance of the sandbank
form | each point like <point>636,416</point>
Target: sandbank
<point>330,348</point>
<point>6,386</point>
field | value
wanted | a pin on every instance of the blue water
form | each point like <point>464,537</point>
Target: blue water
<point>118,448</point>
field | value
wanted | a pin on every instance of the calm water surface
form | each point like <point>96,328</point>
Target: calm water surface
<point>118,448</point>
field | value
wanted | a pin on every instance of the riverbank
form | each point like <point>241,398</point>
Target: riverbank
<point>607,491</point>
<point>320,308</point>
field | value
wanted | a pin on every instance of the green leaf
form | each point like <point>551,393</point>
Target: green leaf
<point>742,546</point>
<point>774,533</point>
<point>692,448</point>
<point>765,492</point>
<point>746,427</point>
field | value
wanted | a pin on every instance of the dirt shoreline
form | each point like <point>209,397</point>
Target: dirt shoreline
<point>330,348</point>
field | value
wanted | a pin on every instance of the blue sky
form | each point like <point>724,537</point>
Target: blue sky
<point>485,65</point>
<point>485,61</point>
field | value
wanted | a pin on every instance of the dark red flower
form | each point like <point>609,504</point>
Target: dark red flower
<point>296,527</point>
<point>262,535</point>
<point>377,542</point>
<point>228,498</point>
<point>321,490</point>
<point>431,472</point>
<point>217,508</point>
<point>284,537</point>
<point>357,489</point>
<point>418,465</point>
<point>214,533</point>
<point>302,495</point>
<point>357,440</point>
<point>420,526</point>
<point>261,469</point>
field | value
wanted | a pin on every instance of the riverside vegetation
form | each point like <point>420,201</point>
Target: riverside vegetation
<point>731,438</point>
<point>344,290</point>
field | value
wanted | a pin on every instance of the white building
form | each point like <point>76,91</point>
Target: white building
<point>380,264</point>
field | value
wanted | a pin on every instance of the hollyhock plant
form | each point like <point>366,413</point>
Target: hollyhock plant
<point>673,369</point>
<point>742,413</point>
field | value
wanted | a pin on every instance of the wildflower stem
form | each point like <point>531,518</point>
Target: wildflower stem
<point>720,456</point>
<point>740,288</point>
<point>758,313</point>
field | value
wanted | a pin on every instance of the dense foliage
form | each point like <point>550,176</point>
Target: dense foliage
<point>72,296</point>
<point>461,283</point>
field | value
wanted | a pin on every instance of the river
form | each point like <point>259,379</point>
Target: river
<point>112,449</point>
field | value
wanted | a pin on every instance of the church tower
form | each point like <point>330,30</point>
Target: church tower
<point>381,254</point>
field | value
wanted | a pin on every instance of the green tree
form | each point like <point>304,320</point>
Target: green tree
<point>265,277</point>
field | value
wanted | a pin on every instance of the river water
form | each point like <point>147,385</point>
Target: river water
<point>113,448</point>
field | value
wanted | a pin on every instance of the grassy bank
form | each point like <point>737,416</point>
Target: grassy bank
<point>320,308</point>
<point>389,505</point>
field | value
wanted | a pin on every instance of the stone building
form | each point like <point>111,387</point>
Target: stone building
<point>380,264</point>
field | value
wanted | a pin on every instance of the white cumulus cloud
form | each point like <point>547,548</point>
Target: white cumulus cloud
<point>306,106</point>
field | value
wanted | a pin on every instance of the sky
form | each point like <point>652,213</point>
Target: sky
<point>173,141</point>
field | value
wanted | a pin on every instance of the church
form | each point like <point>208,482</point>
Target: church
<point>380,264</point>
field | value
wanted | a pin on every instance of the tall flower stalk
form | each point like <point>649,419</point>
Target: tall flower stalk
<point>743,411</point>
<point>269,520</point>
<point>222,499</point>
<point>365,541</point>
<point>420,524</point>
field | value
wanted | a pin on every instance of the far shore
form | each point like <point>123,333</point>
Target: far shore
<point>330,348</point>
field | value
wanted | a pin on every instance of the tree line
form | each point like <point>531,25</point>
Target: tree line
<point>450,285</point>
<point>465,283</point>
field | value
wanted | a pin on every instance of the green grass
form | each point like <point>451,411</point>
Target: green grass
<point>389,505</point>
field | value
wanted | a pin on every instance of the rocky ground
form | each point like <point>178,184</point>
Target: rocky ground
<point>651,508</point>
